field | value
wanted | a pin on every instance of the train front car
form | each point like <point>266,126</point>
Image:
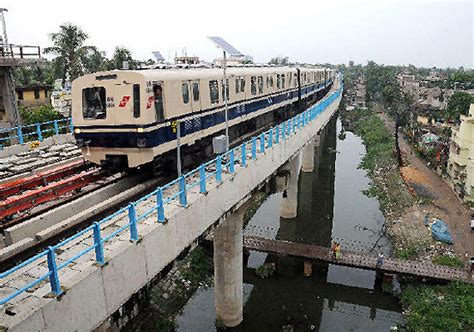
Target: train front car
<point>110,113</point>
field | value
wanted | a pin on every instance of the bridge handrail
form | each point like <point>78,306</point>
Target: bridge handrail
<point>267,139</point>
<point>37,131</point>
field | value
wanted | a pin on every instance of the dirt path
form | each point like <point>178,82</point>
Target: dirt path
<point>445,204</point>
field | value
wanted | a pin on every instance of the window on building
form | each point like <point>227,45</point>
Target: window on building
<point>93,103</point>
<point>282,81</point>
<point>278,81</point>
<point>242,84</point>
<point>260,84</point>
<point>185,92</point>
<point>214,91</point>
<point>225,93</point>
<point>20,95</point>
<point>195,91</point>
<point>253,85</point>
<point>136,100</point>
<point>37,93</point>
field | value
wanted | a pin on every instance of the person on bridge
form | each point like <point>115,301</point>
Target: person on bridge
<point>338,251</point>
<point>379,261</point>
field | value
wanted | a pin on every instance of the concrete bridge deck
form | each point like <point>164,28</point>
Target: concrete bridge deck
<point>92,274</point>
<point>359,260</point>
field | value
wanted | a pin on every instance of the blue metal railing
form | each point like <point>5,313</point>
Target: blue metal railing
<point>35,132</point>
<point>176,190</point>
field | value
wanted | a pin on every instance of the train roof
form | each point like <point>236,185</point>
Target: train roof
<point>201,73</point>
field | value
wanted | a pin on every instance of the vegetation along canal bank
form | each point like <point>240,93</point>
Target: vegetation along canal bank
<point>427,307</point>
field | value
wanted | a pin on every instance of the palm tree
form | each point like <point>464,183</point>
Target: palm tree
<point>70,51</point>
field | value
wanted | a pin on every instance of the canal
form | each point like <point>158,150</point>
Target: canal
<point>331,206</point>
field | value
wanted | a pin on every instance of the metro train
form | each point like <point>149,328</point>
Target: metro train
<point>126,119</point>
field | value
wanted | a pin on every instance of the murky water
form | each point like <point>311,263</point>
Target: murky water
<point>331,205</point>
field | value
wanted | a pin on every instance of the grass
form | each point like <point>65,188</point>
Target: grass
<point>380,163</point>
<point>200,267</point>
<point>452,261</point>
<point>439,308</point>
<point>409,252</point>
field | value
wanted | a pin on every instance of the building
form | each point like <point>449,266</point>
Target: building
<point>461,158</point>
<point>34,95</point>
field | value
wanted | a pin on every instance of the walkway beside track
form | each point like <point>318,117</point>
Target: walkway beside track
<point>359,260</point>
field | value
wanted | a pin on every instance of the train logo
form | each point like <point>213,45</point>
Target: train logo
<point>124,101</point>
<point>149,102</point>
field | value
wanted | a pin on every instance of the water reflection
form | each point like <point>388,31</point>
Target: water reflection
<point>330,205</point>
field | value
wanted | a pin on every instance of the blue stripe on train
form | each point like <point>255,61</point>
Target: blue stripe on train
<point>165,134</point>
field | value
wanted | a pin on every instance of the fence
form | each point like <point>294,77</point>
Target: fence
<point>176,190</point>
<point>34,132</point>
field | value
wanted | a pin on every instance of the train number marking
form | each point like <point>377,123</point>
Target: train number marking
<point>110,102</point>
<point>124,101</point>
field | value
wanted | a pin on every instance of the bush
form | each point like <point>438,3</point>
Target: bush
<point>439,308</point>
<point>452,261</point>
<point>406,253</point>
<point>39,114</point>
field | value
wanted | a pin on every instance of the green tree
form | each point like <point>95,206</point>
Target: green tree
<point>70,51</point>
<point>95,61</point>
<point>279,60</point>
<point>122,54</point>
<point>39,114</point>
<point>458,105</point>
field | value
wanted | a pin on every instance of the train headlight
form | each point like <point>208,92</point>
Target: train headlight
<point>139,130</point>
<point>77,131</point>
<point>141,142</point>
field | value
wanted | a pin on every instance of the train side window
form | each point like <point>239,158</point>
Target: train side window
<point>136,100</point>
<point>253,85</point>
<point>185,92</point>
<point>214,91</point>
<point>242,84</point>
<point>271,81</point>
<point>195,91</point>
<point>237,87</point>
<point>278,81</point>
<point>225,90</point>
<point>282,81</point>
<point>158,98</point>
<point>260,84</point>
<point>290,79</point>
<point>93,103</point>
<point>268,82</point>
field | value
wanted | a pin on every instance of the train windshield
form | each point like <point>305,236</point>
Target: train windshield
<point>158,99</point>
<point>94,103</point>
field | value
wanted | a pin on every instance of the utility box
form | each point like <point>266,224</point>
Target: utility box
<point>218,144</point>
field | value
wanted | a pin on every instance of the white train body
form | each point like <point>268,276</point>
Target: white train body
<point>125,118</point>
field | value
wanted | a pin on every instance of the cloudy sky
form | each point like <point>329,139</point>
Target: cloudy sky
<point>420,32</point>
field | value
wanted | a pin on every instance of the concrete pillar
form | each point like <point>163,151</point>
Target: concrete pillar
<point>289,203</point>
<point>308,157</point>
<point>228,270</point>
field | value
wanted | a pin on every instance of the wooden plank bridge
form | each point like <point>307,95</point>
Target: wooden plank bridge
<point>358,260</point>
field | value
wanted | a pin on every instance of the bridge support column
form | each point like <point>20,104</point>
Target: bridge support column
<point>228,270</point>
<point>289,203</point>
<point>308,157</point>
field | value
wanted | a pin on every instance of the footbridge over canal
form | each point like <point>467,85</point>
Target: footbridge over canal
<point>80,282</point>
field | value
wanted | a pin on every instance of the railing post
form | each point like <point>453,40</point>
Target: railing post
<point>132,216</point>
<point>38,131</point>
<point>53,272</point>
<point>298,123</point>
<point>99,249</point>
<point>56,128</point>
<point>219,169</point>
<point>289,127</point>
<point>244,155</point>
<point>262,142</point>
<point>183,200</point>
<point>283,131</point>
<point>270,138</point>
<point>159,205</point>
<point>254,148</point>
<point>20,135</point>
<point>202,179</point>
<point>232,161</point>
<point>71,127</point>
<point>277,136</point>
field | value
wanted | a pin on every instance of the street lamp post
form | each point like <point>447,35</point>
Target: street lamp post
<point>226,104</point>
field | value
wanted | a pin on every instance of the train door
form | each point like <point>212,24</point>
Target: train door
<point>195,95</point>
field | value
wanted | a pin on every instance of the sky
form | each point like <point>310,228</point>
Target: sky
<point>420,32</point>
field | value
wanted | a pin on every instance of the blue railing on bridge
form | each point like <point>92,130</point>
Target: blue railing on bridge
<point>34,132</point>
<point>176,190</point>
